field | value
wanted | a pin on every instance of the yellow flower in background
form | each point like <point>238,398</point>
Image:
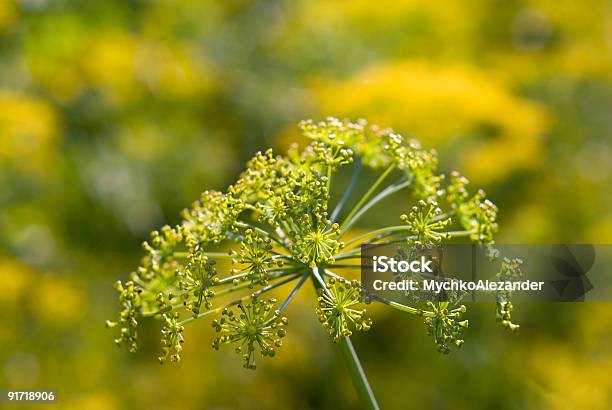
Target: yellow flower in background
<point>110,63</point>
<point>15,280</point>
<point>54,299</point>
<point>174,70</point>
<point>58,301</point>
<point>29,128</point>
<point>575,375</point>
<point>568,381</point>
<point>544,36</point>
<point>447,18</point>
<point>124,65</point>
<point>8,14</point>
<point>581,27</point>
<point>496,132</point>
<point>557,38</point>
<point>95,401</point>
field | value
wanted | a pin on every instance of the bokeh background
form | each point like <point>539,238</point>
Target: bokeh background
<point>116,114</point>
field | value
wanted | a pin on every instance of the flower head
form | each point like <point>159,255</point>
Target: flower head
<point>337,309</point>
<point>159,253</point>
<point>476,213</point>
<point>210,218</point>
<point>197,280</point>
<point>256,258</point>
<point>332,132</point>
<point>172,338</point>
<point>316,243</point>
<point>130,301</point>
<point>510,270</point>
<point>254,326</point>
<point>445,324</point>
<point>426,222</point>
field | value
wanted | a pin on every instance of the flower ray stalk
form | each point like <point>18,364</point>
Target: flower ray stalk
<point>348,222</point>
<point>349,191</point>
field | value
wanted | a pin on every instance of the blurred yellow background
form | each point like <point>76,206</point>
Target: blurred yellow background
<point>116,114</point>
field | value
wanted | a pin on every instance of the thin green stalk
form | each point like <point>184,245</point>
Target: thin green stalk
<point>360,238</point>
<point>281,271</point>
<point>394,229</point>
<point>351,360</point>
<point>329,177</point>
<point>290,297</point>
<point>391,189</point>
<point>347,194</point>
<point>367,196</point>
<point>460,234</point>
<point>358,376</point>
<point>343,257</point>
<point>294,292</point>
<point>247,284</point>
<point>218,255</point>
<point>227,290</point>
<point>403,308</point>
<point>242,299</point>
<point>346,265</point>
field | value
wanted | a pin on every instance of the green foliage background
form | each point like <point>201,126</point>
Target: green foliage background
<point>115,114</point>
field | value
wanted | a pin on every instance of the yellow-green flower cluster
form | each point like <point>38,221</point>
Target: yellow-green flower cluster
<point>197,280</point>
<point>445,324</point>
<point>254,326</point>
<point>426,222</point>
<point>256,258</point>
<point>275,226</point>
<point>510,270</point>
<point>129,298</point>
<point>337,309</point>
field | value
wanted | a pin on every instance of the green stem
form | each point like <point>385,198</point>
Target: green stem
<point>341,257</point>
<point>407,309</point>
<point>329,176</point>
<point>350,358</point>
<point>346,265</point>
<point>360,238</point>
<point>358,376</point>
<point>277,273</point>
<point>351,250</point>
<point>242,299</point>
<point>349,190</point>
<point>391,189</point>
<point>367,196</point>
<point>219,255</point>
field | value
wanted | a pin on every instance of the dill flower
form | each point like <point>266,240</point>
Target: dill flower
<point>197,280</point>
<point>255,254</point>
<point>445,324</point>
<point>510,270</point>
<point>280,229</point>
<point>254,326</point>
<point>128,318</point>
<point>337,309</point>
<point>317,244</point>
<point>425,222</point>
<point>172,338</point>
